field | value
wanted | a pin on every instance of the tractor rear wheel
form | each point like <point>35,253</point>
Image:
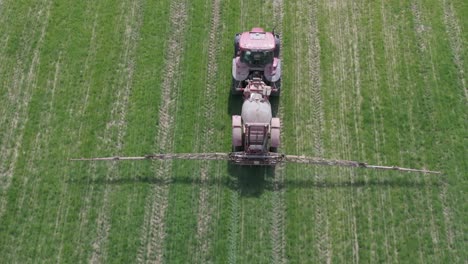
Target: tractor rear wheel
<point>277,85</point>
<point>235,84</point>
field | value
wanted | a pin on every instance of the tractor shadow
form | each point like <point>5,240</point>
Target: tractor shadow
<point>274,101</point>
<point>253,181</point>
<point>234,106</point>
<point>250,181</point>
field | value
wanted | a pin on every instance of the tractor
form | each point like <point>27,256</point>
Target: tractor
<point>256,54</point>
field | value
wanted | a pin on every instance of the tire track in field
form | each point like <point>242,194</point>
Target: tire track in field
<point>3,108</point>
<point>375,101</point>
<point>392,56</point>
<point>305,117</point>
<point>278,202</point>
<point>30,196</point>
<point>377,128</point>
<point>59,218</point>
<point>343,26</point>
<point>43,139</point>
<point>234,222</point>
<point>153,229</point>
<point>236,214</point>
<point>23,86</point>
<point>296,81</point>
<point>354,36</point>
<point>346,81</point>
<point>205,210</point>
<point>117,126</point>
<point>454,33</point>
<point>234,202</point>
<point>425,51</point>
<point>393,83</point>
<point>84,211</point>
<point>27,195</point>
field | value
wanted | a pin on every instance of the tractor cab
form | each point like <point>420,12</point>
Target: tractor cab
<point>256,58</point>
<point>256,54</point>
<point>257,47</point>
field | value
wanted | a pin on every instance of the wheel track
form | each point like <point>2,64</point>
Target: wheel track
<point>354,36</point>
<point>425,51</point>
<point>339,28</point>
<point>345,38</point>
<point>59,218</point>
<point>234,223</point>
<point>454,33</point>
<point>23,85</point>
<point>30,196</point>
<point>3,54</point>
<point>391,56</point>
<point>153,229</point>
<point>278,237</point>
<point>306,118</point>
<point>3,109</point>
<point>375,101</point>
<point>84,212</point>
<point>205,211</point>
<point>117,125</point>
<point>27,195</point>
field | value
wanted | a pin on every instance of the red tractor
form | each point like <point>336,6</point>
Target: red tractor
<point>256,55</point>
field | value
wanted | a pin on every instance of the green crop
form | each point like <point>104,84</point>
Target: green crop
<point>382,82</point>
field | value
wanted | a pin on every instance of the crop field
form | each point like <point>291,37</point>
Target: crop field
<point>382,81</point>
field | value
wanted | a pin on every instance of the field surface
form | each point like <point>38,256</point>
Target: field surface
<point>378,81</point>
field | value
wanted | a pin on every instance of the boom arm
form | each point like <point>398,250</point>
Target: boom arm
<point>281,158</point>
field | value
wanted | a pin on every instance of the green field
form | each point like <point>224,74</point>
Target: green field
<point>383,82</point>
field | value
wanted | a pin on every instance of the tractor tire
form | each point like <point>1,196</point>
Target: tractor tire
<point>277,46</point>
<point>277,84</point>
<point>236,44</point>
<point>234,85</point>
<point>237,149</point>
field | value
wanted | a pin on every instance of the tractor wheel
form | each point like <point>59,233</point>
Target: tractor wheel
<point>277,46</point>
<point>277,85</point>
<point>236,45</point>
<point>237,149</point>
<point>235,84</point>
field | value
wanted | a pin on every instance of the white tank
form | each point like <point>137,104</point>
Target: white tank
<point>256,110</point>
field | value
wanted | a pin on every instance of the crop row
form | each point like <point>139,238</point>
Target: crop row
<point>382,82</point>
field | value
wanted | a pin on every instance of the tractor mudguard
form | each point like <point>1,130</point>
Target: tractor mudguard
<point>240,71</point>
<point>236,131</point>
<point>271,74</point>
<point>275,132</point>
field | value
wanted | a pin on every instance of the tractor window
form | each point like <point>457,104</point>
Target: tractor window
<point>255,58</point>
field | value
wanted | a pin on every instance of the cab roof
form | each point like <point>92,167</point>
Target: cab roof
<point>257,39</point>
